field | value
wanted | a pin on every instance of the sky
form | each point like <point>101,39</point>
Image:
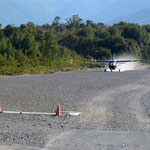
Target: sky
<point>44,11</point>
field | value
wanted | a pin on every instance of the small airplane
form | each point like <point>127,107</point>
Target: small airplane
<point>113,63</point>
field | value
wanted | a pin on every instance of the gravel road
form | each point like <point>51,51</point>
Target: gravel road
<point>115,111</point>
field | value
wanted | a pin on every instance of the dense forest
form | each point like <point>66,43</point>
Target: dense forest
<point>48,48</point>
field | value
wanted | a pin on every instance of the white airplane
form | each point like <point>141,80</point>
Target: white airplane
<point>113,63</point>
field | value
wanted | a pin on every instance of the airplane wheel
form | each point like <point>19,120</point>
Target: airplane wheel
<point>111,70</point>
<point>105,70</point>
<point>119,70</point>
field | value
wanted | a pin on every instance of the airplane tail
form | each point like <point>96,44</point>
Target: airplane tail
<point>113,56</point>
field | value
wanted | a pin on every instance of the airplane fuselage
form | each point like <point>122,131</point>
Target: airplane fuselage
<point>112,65</point>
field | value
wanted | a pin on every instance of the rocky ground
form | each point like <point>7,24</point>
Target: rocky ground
<point>115,111</point>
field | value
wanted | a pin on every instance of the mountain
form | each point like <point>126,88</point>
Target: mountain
<point>86,9</point>
<point>44,11</point>
<point>141,17</point>
<point>119,9</point>
<point>23,11</point>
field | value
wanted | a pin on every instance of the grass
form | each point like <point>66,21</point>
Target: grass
<point>13,71</point>
<point>62,66</point>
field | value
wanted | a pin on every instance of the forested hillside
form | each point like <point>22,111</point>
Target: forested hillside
<point>39,49</point>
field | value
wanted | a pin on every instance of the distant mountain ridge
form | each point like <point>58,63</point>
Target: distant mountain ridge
<point>85,8</point>
<point>44,11</point>
<point>22,11</point>
<point>120,9</point>
<point>141,17</point>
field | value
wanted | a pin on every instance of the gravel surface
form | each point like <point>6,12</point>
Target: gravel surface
<point>115,111</point>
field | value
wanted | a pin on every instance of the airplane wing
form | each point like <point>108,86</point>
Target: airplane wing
<point>96,60</point>
<point>117,61</point>
<point>124,61</point>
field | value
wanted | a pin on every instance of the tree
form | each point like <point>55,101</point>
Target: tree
<point>9,50</point>
<point>146,53</point>
<point>40,35</point>
<point>30,24</point>
<point>102,53</point>
<point>28,41</point>
<point>70,41</point>
<point>9,30</point>
<point>87,32</point>
<point>133,32</point>
<point>74,22</point>
<point>114,30</point>
<point>3,46</point>
<point>102,33</point>
<point>56,21</point>
<point>49,49</point>
<point>23,28</point>
<point>20,58</point>
<point>1,34</point>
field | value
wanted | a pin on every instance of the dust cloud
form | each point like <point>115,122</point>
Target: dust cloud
<point>128,65</point>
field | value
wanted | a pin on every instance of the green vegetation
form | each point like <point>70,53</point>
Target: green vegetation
<point>48,48</point>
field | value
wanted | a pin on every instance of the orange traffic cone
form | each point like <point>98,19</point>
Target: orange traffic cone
<point>58,110</point>
<point>0,109</point>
